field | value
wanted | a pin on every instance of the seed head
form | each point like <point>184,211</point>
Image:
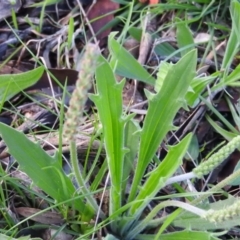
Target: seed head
<point>80,94</point>
<point>217,158</point>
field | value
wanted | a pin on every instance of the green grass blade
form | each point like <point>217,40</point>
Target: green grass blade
<point>233,78</point>
<point>70,32</point>
<point>223,132</point>
<point>233,42</point>
<point>162,109</point>
<point>235,15</point>
<point>219,115</point>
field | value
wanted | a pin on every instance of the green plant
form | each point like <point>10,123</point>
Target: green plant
<point>130,148</point>
<point>125,213</point>
<point>11,84</point>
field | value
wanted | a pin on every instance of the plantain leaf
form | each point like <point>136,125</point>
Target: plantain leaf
<point>161,75</point>
<point>197,86</point>
<point>109,105</point>
<point>163,107</point>
<point>184,37</point>
<point>233,78</point>
<point>236,181</point>
<point>190,220</point>
<point>183,235</point>
<point>193,149</point>
<point>126,65</point>
<point>159,176</point>
<point>132,133</point>
<point>45,171</point>
<point>11,84</point>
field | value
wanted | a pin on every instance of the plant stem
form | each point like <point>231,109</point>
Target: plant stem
<point>180,178</point>
<point>144,223</point>
<point>165,220</point>
<point>80,180</point>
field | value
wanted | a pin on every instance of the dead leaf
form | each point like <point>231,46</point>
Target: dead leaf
<point>44,217</point>
<point>151,2</point>
<point>202,38</point>
<point>103,11</point>
<point>60,74</point>
<point>6,8</point>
